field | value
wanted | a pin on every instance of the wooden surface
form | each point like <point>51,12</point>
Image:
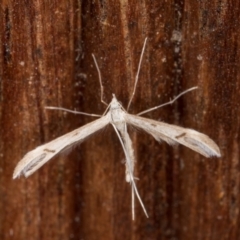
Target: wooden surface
<point>45,60</point>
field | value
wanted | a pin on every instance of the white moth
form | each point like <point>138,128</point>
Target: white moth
<point>119,118</point>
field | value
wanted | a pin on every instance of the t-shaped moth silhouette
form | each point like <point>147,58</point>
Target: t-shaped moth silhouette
<point>119,118</point>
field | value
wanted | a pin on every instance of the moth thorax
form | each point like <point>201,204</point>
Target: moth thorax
<point>117,116</point>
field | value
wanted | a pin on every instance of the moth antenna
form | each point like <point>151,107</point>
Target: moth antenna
<point>137,75</point>
<point>100,79</point>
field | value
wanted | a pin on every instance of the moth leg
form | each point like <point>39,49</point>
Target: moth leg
<point>134,187</point>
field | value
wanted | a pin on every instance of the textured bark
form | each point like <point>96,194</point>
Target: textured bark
<point>45,60</point>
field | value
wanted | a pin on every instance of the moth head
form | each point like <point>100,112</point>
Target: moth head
<point>115,103</point>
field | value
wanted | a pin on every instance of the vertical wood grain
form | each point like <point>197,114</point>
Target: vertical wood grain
<point>45,60</point>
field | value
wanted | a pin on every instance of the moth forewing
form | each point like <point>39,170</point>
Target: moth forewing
<point>172,134</point>
<point>36,158</point>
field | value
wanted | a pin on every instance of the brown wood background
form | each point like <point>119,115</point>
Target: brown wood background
<point>45,60</point>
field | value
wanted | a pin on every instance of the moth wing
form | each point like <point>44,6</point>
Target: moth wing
<point>172,134</point>
<point>36,158</point>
